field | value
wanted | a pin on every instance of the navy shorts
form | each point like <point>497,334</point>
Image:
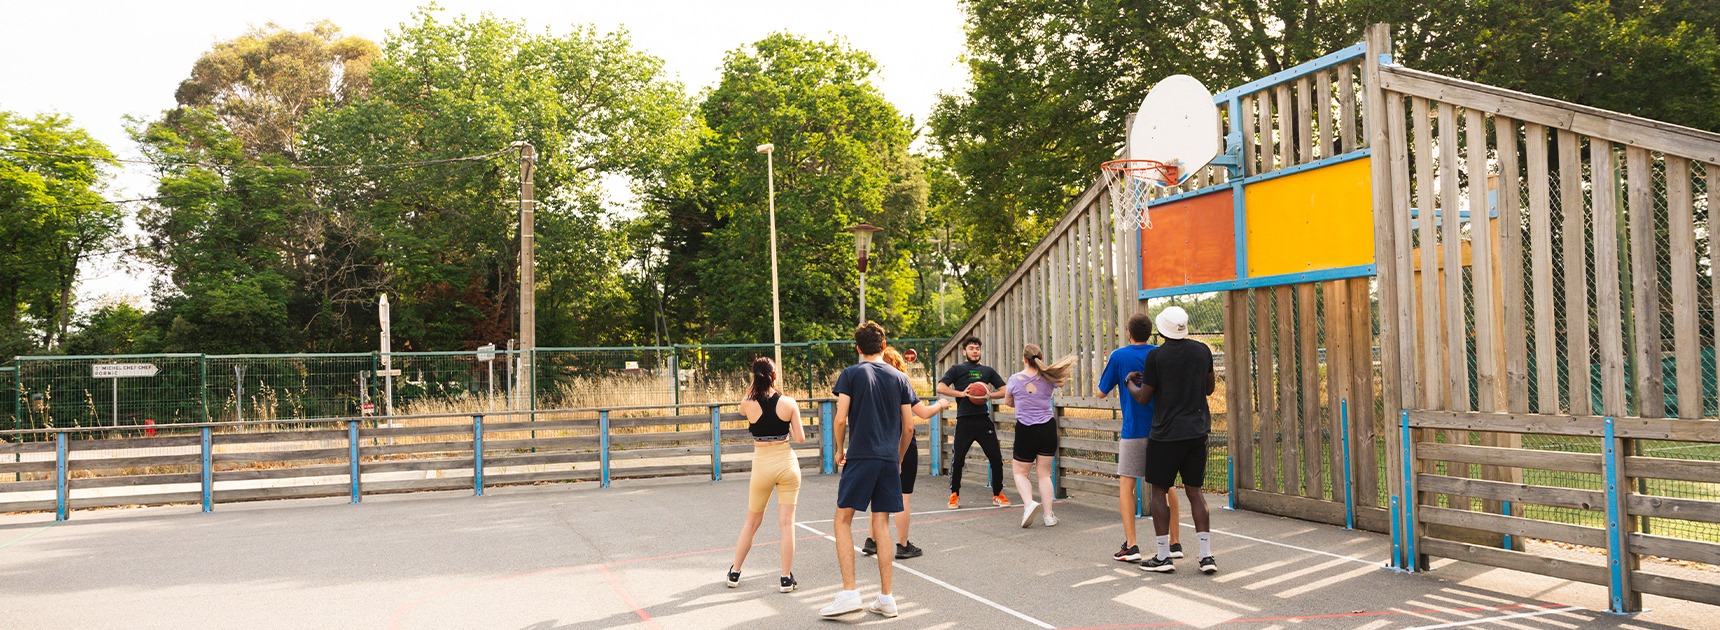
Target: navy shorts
<point>870,485</point>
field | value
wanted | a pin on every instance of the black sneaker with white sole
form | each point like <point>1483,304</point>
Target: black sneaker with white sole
<point>1208,565</point>
<point>1176,550</point>
<point>1129,553</point>
<point>788,583</point>
<point>1156,565</point>
<point>734,578</point>
<point>870,548</point>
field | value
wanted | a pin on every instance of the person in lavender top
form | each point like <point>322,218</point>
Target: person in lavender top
<point>1029,392</point>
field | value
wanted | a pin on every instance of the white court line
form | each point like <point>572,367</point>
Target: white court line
<point>944,511</point>
<point>1323,553</point>
<point>1472,622</point>
<point>952,587</point>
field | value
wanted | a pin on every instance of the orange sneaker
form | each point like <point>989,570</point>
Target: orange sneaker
<point>1000,500</point>
<point>955,500</point>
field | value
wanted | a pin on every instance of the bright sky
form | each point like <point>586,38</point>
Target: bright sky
<point>126,58</point>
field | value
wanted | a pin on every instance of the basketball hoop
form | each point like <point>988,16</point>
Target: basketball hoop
<point>1129,181</point>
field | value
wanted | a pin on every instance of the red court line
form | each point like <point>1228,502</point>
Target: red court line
<point>637,610</point>
<point>1334,616</point>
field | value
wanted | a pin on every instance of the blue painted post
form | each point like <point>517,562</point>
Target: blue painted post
<point>1397,537</point>
<point>1349,469</point>
<point>1230,474</point>
<point>937,439</point>
<point>1141,499</point>
<point>827,439</point>
<point>478,454</point>
<point>1505,510</point>
<point>208,471</point>
<point>716,444</point>
<point>603,443</point>
<point>1616,583</point>
<point>1412,559</point>
<point>62,498</point>
<point>354,475</point>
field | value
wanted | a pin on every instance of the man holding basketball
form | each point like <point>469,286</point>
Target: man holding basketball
<point>974,386</point>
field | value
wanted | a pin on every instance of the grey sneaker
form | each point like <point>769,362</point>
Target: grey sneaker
<point>1208,565</point>
<point>870,548</point>
<point>1176,550</point>
<point>1156,565</point>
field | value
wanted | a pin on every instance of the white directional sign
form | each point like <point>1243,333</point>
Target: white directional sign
<point>123,370</point>
<point>487,352</point>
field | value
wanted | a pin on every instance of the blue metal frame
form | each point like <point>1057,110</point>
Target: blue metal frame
<point>355,475</point>
<point>208,471</point>
<point>1505,510</point>
<point>826,440</point>
<point>603,443</point>
<point>1615,517</point>
<point>1412,559</point>
<point>62,496</point>
<point>1358,271</point>
<point>936,437</point>
<point>1397,537</point>
<point>1230,473</point>
<point>1238,182</point>
<point>1349,471</point>
<point>478,454</point>
<point>716,443</point>
<point>1306,68</point>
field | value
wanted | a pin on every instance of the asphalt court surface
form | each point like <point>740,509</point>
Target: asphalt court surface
<point>652,554</point>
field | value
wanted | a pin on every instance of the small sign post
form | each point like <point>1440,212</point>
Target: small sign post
<point>910,355</point>
<point>118,371</point>
<point>487,354</point>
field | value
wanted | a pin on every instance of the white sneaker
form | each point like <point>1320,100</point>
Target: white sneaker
<point>887,609</point>
<point>842,605</point>
<point>1029,512</point>
<point>1050,521</point>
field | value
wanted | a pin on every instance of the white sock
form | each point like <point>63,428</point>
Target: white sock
<point>847,594</point>
<point>1205,543</point>
<point>885,599</point>
<point>1164,543</point>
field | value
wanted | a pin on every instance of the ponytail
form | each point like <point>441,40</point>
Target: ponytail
<point>1056,372</point>
<point>763,378</point>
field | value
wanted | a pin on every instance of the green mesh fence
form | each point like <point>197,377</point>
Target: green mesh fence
<point>9,404</point>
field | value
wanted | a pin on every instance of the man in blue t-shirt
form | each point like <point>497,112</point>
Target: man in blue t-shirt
<point>873,426</point>
<point>1132,442</point>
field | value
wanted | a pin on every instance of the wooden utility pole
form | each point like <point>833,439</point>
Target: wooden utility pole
<point>528,275</point>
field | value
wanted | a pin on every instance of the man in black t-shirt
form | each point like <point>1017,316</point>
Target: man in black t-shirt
<point>1177,378</point>
<point>973,420</point>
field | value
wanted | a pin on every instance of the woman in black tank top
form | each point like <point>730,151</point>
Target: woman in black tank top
<point>774,420</point>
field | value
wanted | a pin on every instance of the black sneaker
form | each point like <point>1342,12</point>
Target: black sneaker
<point>788,583</point>
<point>1159,566</point>
<point>1208,565</point>
<point>870,548</point>
<point>903,552</point>
<point>734,577</point>
<point>1176,550</point>
<point>1129,553</point>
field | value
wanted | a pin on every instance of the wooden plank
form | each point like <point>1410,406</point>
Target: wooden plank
<point>132,481</point>
<point>1238,381</point>
<point>1287,390</point>
<point>1589,121</point>
<point>417,465</point>
<point>1304,123</point>
<point>491,479</point>
<point>28,506</point>
<point>1674,548</point>
<point>1575,252</point>
<point>1308,337</point>
<point>1489,396</point>
<point>1347,109</point>
<point>1397,302</point>
<point>1268,134</point>
<point>1541,269</point>
<point>1514,560</point>
<point>1362,418</point>
<point>1671,429</point>
<point>565,425</point>
<point>1083,483</point>
<point>107,463</point>
<point>400,432</point>
<point>33,447</point>
<point>1285,122</point>
<point>1514,526</point>
<point>1514,308</point>
<point>132,442</point>
<point>1250,150</point>
<point>282,473</point>
<point>390,449</point>
<point>1686,342</point>
<point>1328,512</point>
<point>1609,304</point>
<point>24,467</point>
<point>1110,425</point>
<point>1433,393</point>
<point>1515,457</point>
<point>1456,376</point>
<point>1672,507</point>
<point>165,498</point>
<point>1697,470</point>
<point>1099,446</point>
<point>1574,498</point>
<point>26,486</point>
<point>1645,300</point>
<point>1337,294</point>
<point>1088,465</point>
<point>1323,97</point>
<point>1266,393</point>
<point>1677,588</point>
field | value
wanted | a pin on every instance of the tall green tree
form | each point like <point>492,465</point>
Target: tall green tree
<point>52,218</point>
<point>841,159</point>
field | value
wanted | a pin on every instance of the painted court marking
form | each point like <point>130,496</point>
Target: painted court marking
<point>15,540</point>
<point>1472,622</point>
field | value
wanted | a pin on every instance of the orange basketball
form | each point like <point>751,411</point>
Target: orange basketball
<point>978,393</point>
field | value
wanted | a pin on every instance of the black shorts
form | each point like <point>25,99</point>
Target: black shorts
<point>910,467</point>
<point>1032,440</point>
<point>1167,460</point>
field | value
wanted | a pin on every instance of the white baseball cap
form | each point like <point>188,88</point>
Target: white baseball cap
<point>1173,323</point>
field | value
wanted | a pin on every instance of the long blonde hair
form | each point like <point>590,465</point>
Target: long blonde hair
<point>1056,372</point>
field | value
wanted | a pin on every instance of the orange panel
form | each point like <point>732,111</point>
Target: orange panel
<point>1192,241</point>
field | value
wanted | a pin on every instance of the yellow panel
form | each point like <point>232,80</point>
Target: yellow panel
<point>1314,220</point>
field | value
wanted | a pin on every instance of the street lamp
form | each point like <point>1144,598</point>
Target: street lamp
<point>862,245</point>
<point>769,150</point>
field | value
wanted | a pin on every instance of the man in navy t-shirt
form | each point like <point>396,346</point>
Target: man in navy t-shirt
<point>873,427</point>
<point>1132,442</point>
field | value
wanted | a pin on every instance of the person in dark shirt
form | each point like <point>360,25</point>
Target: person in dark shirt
<point>1177,378</point>
<point>873,427</point>
<point>973,420</point>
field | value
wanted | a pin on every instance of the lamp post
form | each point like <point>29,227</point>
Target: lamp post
<point>862,245</point>
<point>769,150</point>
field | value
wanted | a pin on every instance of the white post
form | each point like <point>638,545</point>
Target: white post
<point>115,400</point>
<point>239,392</point>
<point>862,299</point>
<point>387,360</point>
<point>769,151</point>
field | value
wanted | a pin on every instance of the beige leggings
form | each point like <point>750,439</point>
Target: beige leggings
<point>774,467</point>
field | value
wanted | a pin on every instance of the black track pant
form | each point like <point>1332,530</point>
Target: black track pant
<point>970,429</point>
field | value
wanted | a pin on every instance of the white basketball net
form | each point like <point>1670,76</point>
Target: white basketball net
<point>1129,181</point>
